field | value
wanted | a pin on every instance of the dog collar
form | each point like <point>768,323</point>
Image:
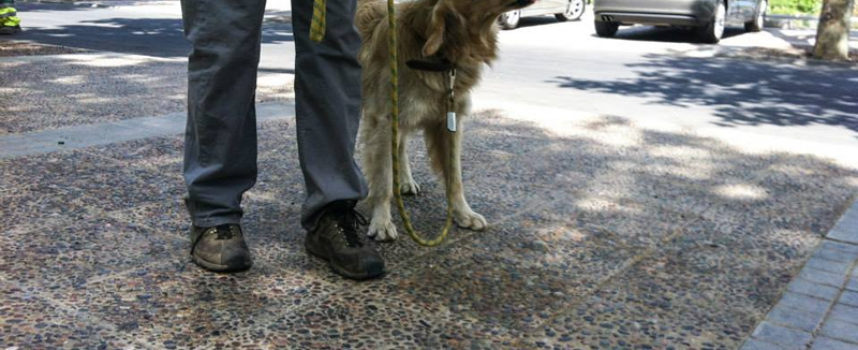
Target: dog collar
<point>431,64</point>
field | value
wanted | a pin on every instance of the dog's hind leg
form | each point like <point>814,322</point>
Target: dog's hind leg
<point>407,185</point>
<point>439,141</point>
<point>377,166</point>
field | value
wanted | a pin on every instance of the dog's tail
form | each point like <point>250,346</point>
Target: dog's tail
<point>369,14</point>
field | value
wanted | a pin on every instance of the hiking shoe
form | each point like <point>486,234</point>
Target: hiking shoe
<point>336,239</point>
<point>220,248</point>
<point>10,30</point>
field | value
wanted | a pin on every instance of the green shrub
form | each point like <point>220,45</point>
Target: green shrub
<point>795,7</point>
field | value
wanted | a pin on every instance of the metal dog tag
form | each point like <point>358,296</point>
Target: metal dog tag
<point>451,121</point>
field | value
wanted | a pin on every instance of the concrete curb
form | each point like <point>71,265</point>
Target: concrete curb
<point>17,145</point>
<point>846,229</point>
<point>819,310</point>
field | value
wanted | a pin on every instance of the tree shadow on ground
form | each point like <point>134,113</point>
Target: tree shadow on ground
<point>603,232</point>
<point>97,88</point>
<point>665,34</point>
<point>44,6</point>
<point>573,203</point>
<point>742,92</point>
<point>162,37</point>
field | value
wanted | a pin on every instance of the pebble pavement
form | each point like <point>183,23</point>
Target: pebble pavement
<point>604,234</point>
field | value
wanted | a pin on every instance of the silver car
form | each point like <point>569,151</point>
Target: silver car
<point>707,17</point>
<point>563,10</point>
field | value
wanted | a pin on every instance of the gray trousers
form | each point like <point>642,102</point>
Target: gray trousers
<point>220,139</point>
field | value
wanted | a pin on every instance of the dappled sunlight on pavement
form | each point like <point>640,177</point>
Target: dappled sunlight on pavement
<point>603,233</point>
<point>102,87</point>
<point>641,192</point>
<point>741,93</point>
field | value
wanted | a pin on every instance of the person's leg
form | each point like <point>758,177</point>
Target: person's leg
<point>220,139</point>
<point>327,102</point>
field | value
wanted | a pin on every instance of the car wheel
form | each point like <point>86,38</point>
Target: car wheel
<point>712,31</point>
<point>757,24</point>
<point>509,20</point>
<point>606,29</point>
<point>574,10</point>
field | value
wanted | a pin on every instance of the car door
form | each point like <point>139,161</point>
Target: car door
<point>538,8</point>
<point>556,6</point>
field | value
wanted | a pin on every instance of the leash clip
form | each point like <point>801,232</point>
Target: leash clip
<point>451,101</point>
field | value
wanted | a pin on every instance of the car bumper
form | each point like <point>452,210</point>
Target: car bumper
<point>655,12</point>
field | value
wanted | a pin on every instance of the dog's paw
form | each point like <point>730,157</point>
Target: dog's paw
<point>471,220</point>
<point>382,230</point>
<point>409,188</point>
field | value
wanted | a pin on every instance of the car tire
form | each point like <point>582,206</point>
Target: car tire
<point>510,19</point>
<point>759,18</point>
<point>713,30</point>
<point>574,10</point>
<point>606,29</point>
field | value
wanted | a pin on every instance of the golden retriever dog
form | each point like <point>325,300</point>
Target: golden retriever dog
<point>440,34</point>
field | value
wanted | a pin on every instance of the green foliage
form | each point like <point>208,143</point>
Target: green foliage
<point>795,7</point>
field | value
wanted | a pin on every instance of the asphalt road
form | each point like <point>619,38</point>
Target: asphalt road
<point>660,75</point>
<point>559,70</point>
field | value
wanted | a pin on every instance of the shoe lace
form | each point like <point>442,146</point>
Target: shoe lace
<point>349,223</point>
<point>226,231</point>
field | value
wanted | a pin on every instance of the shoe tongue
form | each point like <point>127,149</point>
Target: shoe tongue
<point>348,219</point>
<point>348,222</point>
<point>224,231</point>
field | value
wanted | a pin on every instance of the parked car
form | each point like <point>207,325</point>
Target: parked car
<point>707,17</point>
<point>563,10</point>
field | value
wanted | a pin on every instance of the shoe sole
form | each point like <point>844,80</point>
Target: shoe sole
<point>341,271</point>
<point>218,267</point>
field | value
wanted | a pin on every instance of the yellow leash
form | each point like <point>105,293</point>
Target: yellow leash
<point>317,33</point>
<point>317,24</point>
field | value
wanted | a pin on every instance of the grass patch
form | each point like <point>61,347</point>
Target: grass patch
<point>795,7</point>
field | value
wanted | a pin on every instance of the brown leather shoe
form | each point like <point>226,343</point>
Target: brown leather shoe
<point>220,248</point>
<point>336,239</point>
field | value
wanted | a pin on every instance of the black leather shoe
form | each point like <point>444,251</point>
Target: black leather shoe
<point>336,239</point>
<point>220,248</point>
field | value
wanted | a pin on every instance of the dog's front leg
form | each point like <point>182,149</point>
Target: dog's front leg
<point>464,215</point>
<point>377,164</point>
<point>407,185</point>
